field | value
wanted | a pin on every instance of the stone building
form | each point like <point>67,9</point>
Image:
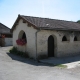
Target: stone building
<point>5,36</point>
<point>46,37</point>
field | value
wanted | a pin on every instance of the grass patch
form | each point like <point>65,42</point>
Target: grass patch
<point>54,65</point>
<point>20,53</point>
<point>62,66</point>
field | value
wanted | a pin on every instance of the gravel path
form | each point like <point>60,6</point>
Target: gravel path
<point>16,68</point>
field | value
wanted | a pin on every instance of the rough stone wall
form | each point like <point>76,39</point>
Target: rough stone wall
<point>42,42</point>
<point>70,47</point>
<point>30,47</point>
<point>61,48</point>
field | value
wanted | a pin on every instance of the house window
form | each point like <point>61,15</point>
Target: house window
<point>64,38</point>
<point>75,38</point>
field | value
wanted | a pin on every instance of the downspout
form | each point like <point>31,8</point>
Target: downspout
<point>36,43</point>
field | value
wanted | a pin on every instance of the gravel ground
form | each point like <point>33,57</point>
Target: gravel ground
<point>16,68</point>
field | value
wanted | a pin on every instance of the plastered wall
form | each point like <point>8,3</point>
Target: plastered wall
<point>30,47</point>
<point>61,48</point>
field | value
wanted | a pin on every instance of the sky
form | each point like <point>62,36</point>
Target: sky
<point>56,9</point>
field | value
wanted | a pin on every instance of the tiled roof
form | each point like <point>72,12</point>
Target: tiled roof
<point>4,29</point>
<point>47,23</point>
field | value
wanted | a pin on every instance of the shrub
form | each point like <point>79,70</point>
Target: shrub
<point>13,50</point>
<point>20,53</point>
<point>78,21</point>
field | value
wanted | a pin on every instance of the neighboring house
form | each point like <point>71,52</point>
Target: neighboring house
<point>5,36</point>
<point>46,37</point>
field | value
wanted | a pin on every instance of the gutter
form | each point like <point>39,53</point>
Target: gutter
<point>36,43</point>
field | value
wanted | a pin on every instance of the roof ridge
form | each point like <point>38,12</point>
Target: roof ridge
<point>49,18</point>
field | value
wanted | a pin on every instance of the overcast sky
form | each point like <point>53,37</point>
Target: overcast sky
<point>56,9</point>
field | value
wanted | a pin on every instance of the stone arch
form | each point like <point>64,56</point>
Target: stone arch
<point>22,35</point>
<point>52,43</point>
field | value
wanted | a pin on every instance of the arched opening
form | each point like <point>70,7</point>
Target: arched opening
<point>64,38</point>
<point>75,38</point>
<point>24,36</point>
<point>22,40</point>
<point>51,46</point>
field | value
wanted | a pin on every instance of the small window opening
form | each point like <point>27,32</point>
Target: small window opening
<point>75,38</point>
<point>64,38</point>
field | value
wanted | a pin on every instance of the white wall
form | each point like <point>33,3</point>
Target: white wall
<point>42,42</point>
<point>8,41</point>
<point>30,47</point>
<point>61,48</point>
<point>70,47</point>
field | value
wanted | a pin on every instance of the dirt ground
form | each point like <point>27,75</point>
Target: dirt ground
<point>13,67</point>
